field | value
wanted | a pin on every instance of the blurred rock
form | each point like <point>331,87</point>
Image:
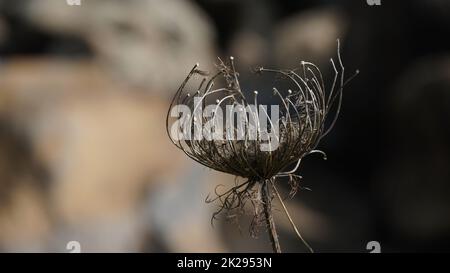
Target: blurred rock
<point>310,35</point>
<point>104,149</point>
<point>151,43</point>
<point>250,49</point>
<point>179,215</point>
<point>24,221</point>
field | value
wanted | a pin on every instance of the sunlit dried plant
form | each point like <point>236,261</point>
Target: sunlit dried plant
<point>304,105</point>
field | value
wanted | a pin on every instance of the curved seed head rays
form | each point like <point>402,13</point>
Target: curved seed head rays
<point>235,137</point>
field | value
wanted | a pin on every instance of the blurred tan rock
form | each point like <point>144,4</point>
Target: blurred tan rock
<point>309,36</point>
<point>24,221</point>
<point>148,43</point>
<point>250,48</point>
<point>103,147</point>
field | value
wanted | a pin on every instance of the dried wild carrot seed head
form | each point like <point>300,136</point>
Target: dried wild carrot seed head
<point>229,130</point>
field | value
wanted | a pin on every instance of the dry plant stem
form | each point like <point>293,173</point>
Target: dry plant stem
<point>290,219</point>
<point>271,228</point>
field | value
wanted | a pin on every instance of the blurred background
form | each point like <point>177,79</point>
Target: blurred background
<point>84,155</point>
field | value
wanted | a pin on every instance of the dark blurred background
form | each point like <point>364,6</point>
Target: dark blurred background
<point>84,92</point>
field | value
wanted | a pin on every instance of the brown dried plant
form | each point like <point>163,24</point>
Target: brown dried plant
<point>304,111</point>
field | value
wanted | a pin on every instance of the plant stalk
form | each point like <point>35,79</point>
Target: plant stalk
<point>271,228</point>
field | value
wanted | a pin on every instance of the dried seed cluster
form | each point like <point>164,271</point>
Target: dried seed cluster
<point>304,109</point>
